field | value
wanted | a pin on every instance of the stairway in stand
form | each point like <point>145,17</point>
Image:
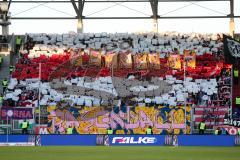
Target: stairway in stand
<point>4,68</point>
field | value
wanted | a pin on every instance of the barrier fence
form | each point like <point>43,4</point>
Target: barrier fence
<point>117,140</point>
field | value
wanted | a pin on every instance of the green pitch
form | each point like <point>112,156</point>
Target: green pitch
<point>119,153</point>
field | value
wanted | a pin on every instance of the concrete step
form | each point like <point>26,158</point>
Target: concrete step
<point>4,70</point>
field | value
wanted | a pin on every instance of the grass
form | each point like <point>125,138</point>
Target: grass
<point>119,153</point>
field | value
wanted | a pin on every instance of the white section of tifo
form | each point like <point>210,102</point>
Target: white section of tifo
<point>49,44</point>
<point>100,84</point>
<point>51,96</point>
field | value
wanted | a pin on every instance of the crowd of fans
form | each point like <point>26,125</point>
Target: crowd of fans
<point>206,85</point>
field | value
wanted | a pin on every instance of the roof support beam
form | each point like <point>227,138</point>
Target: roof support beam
<point>189,17</point>
<point>79,12</point>
<point>231,8</point>
<point>75,7</point>
<point>9,3</point>
<point>154,6</point>
<point>78,9</point>
<point>231,15</point>
<point>81,6</point>
<point>110,1</point>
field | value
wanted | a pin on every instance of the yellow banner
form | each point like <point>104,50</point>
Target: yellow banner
<point>130,120</point>
<point>110,60</point>
<point>154,61</point>
<point>125,60</point>
<point>190,58</point>
<point>174,61</point>
<point>95,58</point>
<point>140,61</point>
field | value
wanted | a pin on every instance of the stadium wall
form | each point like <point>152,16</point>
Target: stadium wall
<point>121,140</point>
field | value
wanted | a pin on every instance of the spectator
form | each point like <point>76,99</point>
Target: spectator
<point>226,116</point>
<point>70,129</point>
<point>199,98</point>
<point>11,69</point>
<point>224,131</point>
<point>18,43</point>
<point>109,130</point>
<point>236,76</point>
<point>218,131</point>
<point>29,44</point>
<point>235,115</point>
<point>202,127</point>
<point>175,141</point>
<point>149,130</point>
<point>4,84</point>
<point>24,126</point>
<point>1,60</point>
<point>238,101</point>
<point>1,100</point>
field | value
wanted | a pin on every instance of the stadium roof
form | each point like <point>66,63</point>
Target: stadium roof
<point>152,9</point>
<point>137,11</point>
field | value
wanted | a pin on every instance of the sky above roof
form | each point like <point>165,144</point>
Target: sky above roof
<point>123,10</point>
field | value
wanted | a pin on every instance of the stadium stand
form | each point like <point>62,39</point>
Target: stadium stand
<point>151,71</point>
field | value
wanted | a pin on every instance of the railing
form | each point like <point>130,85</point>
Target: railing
<point>3,47</point>
<point>213,116</point>
<point>11,42</point>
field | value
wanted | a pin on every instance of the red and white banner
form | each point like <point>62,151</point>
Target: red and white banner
<point>42,129</point>
<point>230,129</point>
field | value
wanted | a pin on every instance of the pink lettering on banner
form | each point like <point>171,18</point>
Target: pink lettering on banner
<point>98,120</point>
<point>169,125</point>
<point>132,116</point>
<point>69,117</point>
<point>104,123</point>
<point>59,114</point>
<point>64,115</point>
<point>115,119</point>
<point>15,113</point>
<point>72,123</point>
<point>144,120</point>
<point>122,115</point>
<point>21,114</point>
<point>28,114</point>
<point>230,129</point>
<point>3,113</point>
<point>178,126</point>
<point>18,113</point>
<point>162,126</point>
<point>53,113</point>
<point>132,126</point>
